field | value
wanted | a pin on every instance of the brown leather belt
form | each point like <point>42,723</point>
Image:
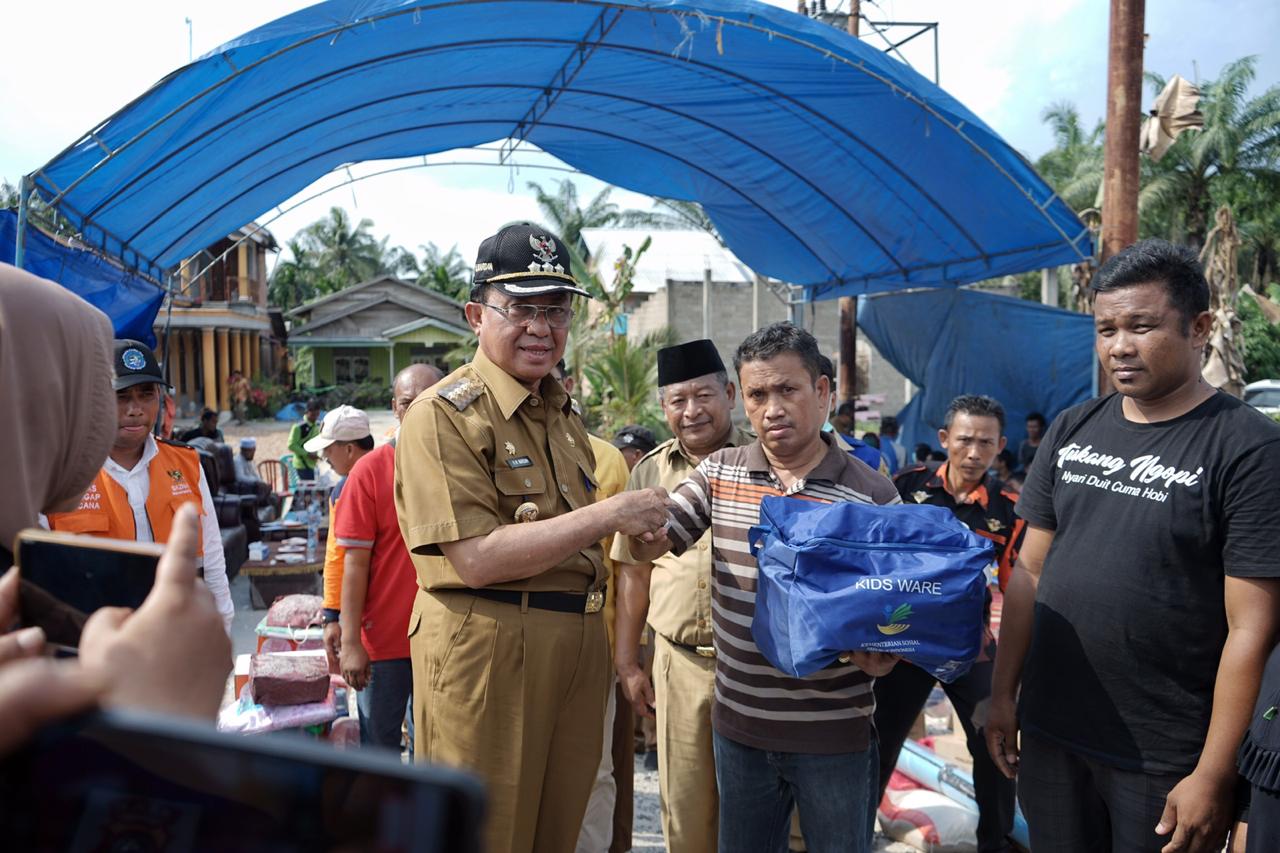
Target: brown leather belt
<point>560,602</point>
<point>700,651</point>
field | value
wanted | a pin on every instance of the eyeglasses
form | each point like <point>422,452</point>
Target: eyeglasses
<point>558,316</point>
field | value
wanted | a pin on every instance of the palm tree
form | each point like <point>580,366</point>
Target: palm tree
<point>346,253</point>
<point>1241,137</point>
<point>1260,254</point>
<point>1074,166</point>
<point>622,377</point>
<point>293,281</point>
<point>444,272</point>
<point>399,261</point>
<point>567,217</point>
<point>1256,205</point>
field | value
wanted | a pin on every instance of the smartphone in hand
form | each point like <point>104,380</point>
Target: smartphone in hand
<point>65,577</point>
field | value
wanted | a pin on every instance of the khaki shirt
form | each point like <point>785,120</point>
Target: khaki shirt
<point>679,587</point>
<point>611,474</point>
<point>476,446</point>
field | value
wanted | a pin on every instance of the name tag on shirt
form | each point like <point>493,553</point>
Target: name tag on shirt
<point>520,462</point>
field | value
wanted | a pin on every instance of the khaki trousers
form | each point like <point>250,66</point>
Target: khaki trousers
<point>517,696</point>
<point>684,688</point>
<point>597,824</point>
<point>624,768</point>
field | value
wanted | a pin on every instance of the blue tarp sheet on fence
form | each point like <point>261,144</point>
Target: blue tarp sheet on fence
<point>821,160</point>
<point>131,302</point>
<point>1030,357</point>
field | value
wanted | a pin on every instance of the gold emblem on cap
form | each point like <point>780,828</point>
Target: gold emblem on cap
<point>569,439</point>
<point>511,448</point>
<point>527,511</point>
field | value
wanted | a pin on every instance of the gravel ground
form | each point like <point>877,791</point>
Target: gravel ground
<point>646,832</point>
<point>646,837</point>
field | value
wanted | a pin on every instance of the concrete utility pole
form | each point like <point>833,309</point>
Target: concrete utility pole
<point>755,301</point>
<point>1120,153</point>
<point>1049,287</point>
<point>1124,117</point>
<point>848,371</point>
<point>706,301</point>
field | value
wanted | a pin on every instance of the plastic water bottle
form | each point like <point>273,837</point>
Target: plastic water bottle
<point>937,712</point>
<point>313,531</point>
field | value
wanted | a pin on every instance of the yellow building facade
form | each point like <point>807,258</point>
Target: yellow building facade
<point>219,323</point>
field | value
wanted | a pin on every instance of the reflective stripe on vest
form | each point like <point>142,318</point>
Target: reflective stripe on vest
<point>104,510</point>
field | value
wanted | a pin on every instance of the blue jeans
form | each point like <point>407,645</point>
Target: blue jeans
<point>384,702</point>
<point>835,795</point>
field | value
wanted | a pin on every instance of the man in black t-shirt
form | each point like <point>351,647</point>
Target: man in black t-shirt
<point>207,428</point>
<point>973,435</point>
<point>1146,594</point>
<point>1035,434</point>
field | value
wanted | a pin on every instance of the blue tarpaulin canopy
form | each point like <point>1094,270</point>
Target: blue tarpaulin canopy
<point>131,302</point>
<point>821,161</point>
<point>951,342</point>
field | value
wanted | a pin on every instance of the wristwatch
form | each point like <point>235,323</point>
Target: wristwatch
<point>329,615</point>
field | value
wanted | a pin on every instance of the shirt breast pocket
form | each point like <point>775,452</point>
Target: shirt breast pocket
<point>589,481</point>
<point>519,482</point>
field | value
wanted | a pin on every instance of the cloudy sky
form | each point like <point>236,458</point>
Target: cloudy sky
<point>68,65</point>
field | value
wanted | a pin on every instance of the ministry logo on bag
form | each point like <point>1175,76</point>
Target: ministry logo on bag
<point>896,619</point>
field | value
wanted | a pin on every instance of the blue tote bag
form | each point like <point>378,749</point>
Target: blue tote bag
<point>905,579</point>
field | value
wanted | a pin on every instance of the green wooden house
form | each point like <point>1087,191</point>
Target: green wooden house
<point>372,330</point>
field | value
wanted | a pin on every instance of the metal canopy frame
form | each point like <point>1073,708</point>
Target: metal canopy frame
<point>919,28</point>
<point>581,51</point>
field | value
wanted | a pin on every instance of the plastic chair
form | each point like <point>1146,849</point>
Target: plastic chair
<point>275,473</point>
<point>287,462</point>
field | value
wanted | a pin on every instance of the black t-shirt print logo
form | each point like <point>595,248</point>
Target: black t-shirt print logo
<point>1145,476</point>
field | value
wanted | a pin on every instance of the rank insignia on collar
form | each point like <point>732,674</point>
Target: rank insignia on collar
<point>995,525</point>
<point>510,448</point>
<point>569,439</point>
<point>920,496</point>
<point>462,393</point>
<point>176,476</point>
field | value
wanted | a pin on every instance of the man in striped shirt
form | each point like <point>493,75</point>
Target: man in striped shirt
<point>780,741</point>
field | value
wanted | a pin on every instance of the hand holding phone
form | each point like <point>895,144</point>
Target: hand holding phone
<point>23,642</point>
<point>172,655</point>
<point>34,689</point>
<point>63,578</point>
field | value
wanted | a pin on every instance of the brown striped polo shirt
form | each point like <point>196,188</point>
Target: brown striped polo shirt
<point>757,704</point>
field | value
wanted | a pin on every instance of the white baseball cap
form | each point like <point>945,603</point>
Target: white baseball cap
<point>345,423</point>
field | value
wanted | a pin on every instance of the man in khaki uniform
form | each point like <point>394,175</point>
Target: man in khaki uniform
<point>495,492</point>
<point>675,595</point>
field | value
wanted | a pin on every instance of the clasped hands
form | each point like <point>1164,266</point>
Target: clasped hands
<point>641,513</point>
